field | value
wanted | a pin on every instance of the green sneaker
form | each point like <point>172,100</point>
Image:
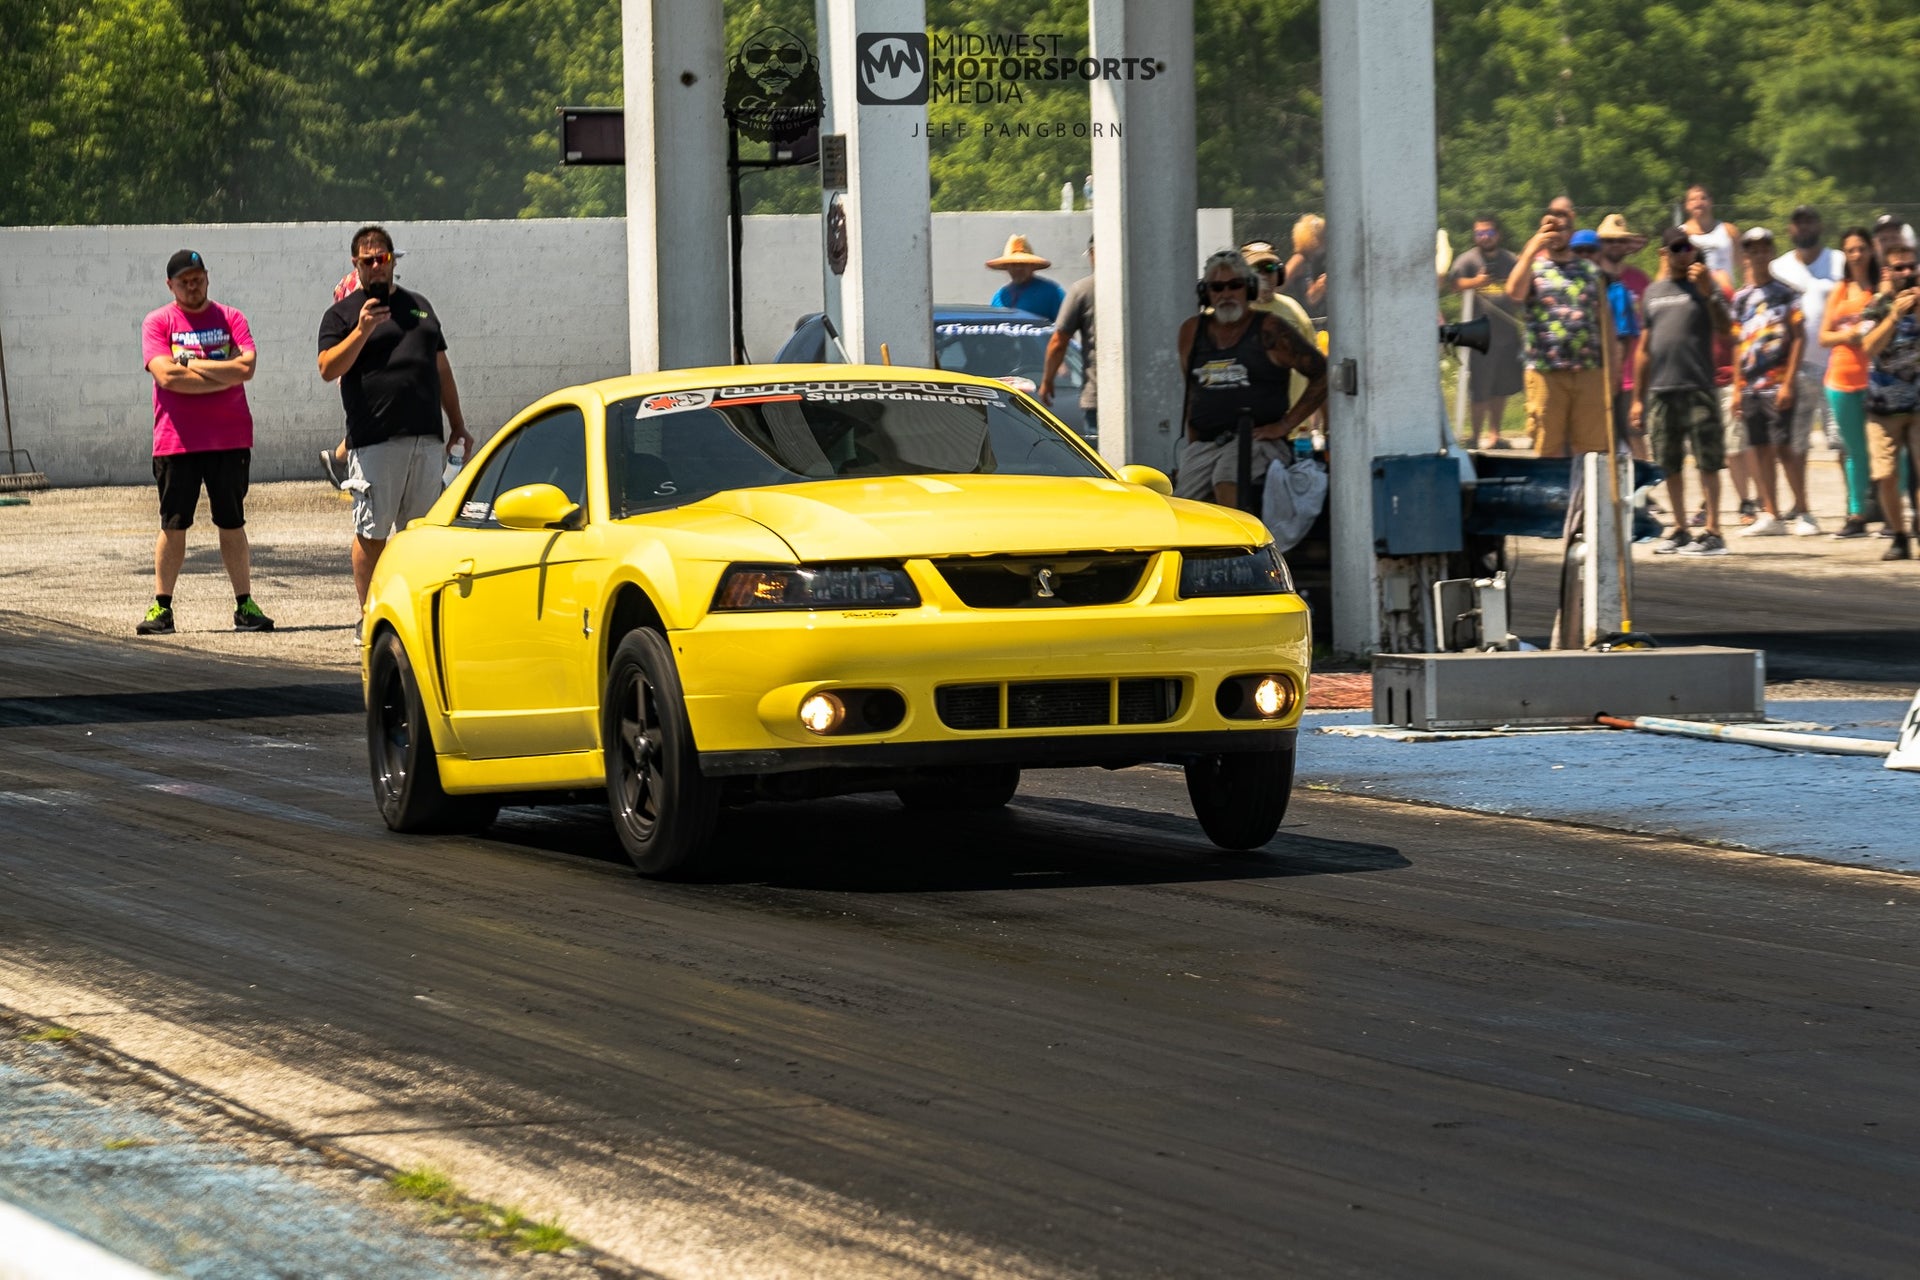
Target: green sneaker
<point>158,622</point>
<point>249,618</point>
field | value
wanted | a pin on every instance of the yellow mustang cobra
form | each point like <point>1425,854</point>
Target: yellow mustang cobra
<point>716,586</point>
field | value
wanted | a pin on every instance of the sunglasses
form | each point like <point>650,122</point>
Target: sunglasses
<point>1225,286</point>
<point>1588,249</point>
<point>375,259</point>
<point>1677,249</point>
<point>791,55</point>
<point>1266,268</point>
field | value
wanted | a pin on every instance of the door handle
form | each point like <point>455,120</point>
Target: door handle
<point>464,569</point>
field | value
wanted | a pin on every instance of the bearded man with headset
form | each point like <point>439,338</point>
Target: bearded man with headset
<point>1239,363</point>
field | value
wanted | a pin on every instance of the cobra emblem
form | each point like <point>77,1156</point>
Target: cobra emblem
<point>1043,583</point>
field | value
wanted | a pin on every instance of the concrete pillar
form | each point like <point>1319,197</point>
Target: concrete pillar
<point>675,78</point>
<point>1144,197</point>
<point>886,294</point>
<point>1377,91</point>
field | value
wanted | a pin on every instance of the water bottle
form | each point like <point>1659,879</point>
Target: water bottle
<point>1302,447</point>
<point>456,458</point>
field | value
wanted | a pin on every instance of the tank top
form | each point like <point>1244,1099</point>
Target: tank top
<point>1846,367</point>
<point>1716,249</point>
<point>1231,381</point>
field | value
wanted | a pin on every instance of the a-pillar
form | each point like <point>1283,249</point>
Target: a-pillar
<point>886,293</point>
<point>1144,196</point>
<point>1376,73</point>
<point>677,248</point>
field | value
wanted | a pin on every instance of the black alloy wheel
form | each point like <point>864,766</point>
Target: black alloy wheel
<point>1241,797</point>
<point>663,807</point>
<point>978,789</point>
<point>406,775</point>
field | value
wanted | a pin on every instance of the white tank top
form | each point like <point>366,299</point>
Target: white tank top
<point>1716,248</point>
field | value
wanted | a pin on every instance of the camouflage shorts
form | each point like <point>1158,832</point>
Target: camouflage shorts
<point>1679,420</point>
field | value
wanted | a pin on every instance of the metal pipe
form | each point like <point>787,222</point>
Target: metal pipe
<point>1776,739</point>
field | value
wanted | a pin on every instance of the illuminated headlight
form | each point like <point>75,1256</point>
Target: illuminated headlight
<point>822,713</point>
<point>815,586</point>
<point>1234,572</point>
<point>1272,696</point>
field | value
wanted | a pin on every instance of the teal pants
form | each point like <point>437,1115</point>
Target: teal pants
<point>1850,415</point>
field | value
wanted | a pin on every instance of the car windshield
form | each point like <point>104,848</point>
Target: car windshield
<point>679,447</point>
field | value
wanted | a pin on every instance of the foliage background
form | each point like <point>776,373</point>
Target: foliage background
<point>269,110</point>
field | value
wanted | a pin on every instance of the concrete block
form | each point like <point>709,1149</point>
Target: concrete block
<point>1567,687</point>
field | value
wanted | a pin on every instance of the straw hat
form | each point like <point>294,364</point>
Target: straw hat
<point>1019,253</point>
<point>1614,227</point>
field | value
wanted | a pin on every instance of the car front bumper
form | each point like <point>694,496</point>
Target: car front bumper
<point>746,675</point>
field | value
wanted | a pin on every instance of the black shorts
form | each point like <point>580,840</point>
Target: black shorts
<point>1765,424</point>
<point>223,471</point>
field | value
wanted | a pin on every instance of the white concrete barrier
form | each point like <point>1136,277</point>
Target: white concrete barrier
<point>528,305</point>
<point>31,1249</point>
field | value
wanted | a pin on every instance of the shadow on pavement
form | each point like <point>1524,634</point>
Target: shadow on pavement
<point>869,844</point>
<point>329,699</point>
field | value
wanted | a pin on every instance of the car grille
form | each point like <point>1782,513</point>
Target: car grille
<point>1057,704</point>
<point>1071,580</point>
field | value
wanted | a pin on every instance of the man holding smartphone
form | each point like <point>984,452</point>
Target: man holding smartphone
<point>1568,341</point>
<point>1892,348</point>
<point>383,344</point>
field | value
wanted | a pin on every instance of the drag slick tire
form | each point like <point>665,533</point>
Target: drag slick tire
<point>974,790</point>
<point>406,776</point>
<point>1241,797</point>
<point>663,808</point>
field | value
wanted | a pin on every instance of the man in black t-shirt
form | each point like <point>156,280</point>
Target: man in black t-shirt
<point>1673,385</point>
<point>384,345</point>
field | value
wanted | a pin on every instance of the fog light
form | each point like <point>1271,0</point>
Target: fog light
<point>822,712</point>
<point>1272,696</point>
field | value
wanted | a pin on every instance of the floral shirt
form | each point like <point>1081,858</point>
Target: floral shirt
<point>1563,315</point>
<point>1768,316</point>
<point>1893,377</point>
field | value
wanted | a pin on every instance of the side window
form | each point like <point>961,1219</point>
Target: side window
<point>552,449</point>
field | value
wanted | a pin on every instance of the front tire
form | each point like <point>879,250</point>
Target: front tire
<point>1241,797</point>
<point>663,807</point>
<point>406,774</point>
<point>977,790</point>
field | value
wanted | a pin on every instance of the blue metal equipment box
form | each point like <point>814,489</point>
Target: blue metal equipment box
<point>1416,505</point>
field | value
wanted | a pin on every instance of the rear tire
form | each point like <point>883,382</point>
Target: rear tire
<point>400,755</point>
<point>980,789</point>
<point>663,808</point>
<point>1241,797</point>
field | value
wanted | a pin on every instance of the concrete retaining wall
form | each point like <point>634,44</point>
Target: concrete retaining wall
<point>527,305</point>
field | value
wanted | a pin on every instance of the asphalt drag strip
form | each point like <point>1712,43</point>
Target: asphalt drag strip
<point>1073,1038</point>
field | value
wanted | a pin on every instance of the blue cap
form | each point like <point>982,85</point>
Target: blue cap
<point>1585,240</point>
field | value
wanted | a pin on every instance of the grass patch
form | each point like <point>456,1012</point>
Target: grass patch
<point>49,1035</point>
<point>126,1144</point>
<point>444,1202</point>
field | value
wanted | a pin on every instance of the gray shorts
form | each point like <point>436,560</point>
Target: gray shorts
<point>1206,463</point>
<point>1809,408</point>
<point>393,482</point>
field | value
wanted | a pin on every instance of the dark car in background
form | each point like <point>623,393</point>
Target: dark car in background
<point>988,342</point>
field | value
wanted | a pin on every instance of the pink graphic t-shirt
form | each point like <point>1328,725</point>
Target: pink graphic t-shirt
<point>185,423</point>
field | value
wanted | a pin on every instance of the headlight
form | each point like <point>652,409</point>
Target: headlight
<point>1234,571</point>
<point>815,586</point>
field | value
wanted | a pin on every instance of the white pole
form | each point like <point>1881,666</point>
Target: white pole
<point>1143,223</point>
<point>1382,207</point>
<point>675,77</point>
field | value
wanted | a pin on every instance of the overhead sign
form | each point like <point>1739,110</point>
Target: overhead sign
<point>773,93</point>
<point>593,135</point>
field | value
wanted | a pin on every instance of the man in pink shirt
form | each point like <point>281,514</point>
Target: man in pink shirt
<point>199,353</point>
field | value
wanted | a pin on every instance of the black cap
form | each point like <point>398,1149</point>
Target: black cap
<point>1674,236</point>
<point>1804,213</point>
<point>184,260</point>
<point>1884,221</point>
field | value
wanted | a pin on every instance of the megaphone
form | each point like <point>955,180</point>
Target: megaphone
<point>1474,335</point>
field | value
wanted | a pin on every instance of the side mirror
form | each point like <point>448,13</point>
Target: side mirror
<point>535,506</point>
<point>1147,478</point>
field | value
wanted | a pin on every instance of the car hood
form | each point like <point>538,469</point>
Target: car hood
<point>898,517</point>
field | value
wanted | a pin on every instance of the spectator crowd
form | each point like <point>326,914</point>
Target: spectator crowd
<point>1741,352</point>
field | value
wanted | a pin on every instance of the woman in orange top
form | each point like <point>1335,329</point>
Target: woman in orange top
<point>1841,332</point>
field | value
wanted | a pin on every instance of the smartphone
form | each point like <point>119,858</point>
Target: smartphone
<point>379,290</point>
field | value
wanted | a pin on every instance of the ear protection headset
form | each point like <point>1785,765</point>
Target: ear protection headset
<point>1226,257</point>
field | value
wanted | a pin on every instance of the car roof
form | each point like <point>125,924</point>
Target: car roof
<point>962,312</point>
